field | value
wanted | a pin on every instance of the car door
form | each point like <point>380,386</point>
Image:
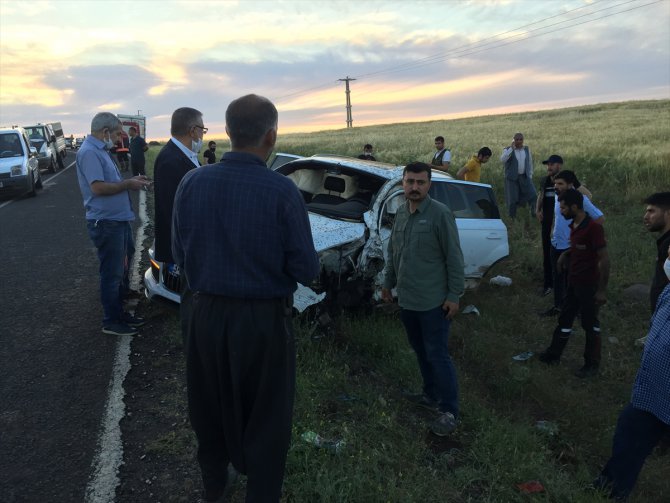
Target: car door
<point>482,233</point>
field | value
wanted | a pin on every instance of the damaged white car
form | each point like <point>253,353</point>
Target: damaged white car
<point>352,204</point>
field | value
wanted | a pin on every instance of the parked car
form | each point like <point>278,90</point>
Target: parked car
<point>69,142</point>
<point>19,167</point>
<point>352,204</point>
<point>50,147</point>
<point>78,142</point>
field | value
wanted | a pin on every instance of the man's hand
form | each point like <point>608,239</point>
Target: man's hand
<point>387,296</point>
<point>600,297</point>
<point>561,263</point>
<point>539,215</point>
<point>450,309</point>
<point>138,182</point>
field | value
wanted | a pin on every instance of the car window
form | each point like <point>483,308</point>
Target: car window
<point>10,145</point>
<point>465,200</point>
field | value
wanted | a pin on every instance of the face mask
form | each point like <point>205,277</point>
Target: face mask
<point>213,149</point>
<point>196,145</point>
<point>109,144</point>
<point>666,267</point>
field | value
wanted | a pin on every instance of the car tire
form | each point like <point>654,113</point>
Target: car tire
<point>39,183</point>
<point>52,166</point>
<point>32,192</point>
<point>59,158</point>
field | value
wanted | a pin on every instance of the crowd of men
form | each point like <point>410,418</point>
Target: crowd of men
<point>217,223</point>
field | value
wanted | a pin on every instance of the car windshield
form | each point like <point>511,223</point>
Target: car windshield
<point>35,133</point>
<point>10,145</point>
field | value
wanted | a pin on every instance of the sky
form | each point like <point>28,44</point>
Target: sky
<point>412,60</point>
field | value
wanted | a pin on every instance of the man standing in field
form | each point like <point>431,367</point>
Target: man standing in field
<point>240,347</point>
<point>367,153</point>
<point>646,419</point>
<point>210,153</point>
<point>426,266</point>
<point>472,170</point>
<point>560,239</point>
<point>544,210</point>
<point>518,165</point>
<point>442,157</point>
<point>137,148</point>
<point>587,281</point>
<point>108,217</point>
<point>657,219</point>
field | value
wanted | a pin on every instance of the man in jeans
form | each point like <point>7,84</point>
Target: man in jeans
<point>426,266</point>
<point>108,216</point>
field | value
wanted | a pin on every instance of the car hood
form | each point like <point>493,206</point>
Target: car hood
<point>7,163</point>
<point>328,232</point>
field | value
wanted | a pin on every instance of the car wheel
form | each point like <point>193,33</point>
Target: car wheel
<point>59,158</point>
<point>32,192</point>
<point>38,183</point>
<point>52,166</point>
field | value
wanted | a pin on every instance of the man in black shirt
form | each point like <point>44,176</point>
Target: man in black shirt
<point>210,153</point>
<point>657,219</point>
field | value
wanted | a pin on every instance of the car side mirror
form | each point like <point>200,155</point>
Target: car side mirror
<point>33,151</point>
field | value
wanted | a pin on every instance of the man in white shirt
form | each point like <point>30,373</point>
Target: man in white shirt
<point>442,158</point>
<point>518,165</point>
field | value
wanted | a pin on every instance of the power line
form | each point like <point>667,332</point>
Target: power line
<point>477,47</point>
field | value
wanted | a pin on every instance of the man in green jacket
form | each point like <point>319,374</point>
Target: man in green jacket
<point>426,267</point>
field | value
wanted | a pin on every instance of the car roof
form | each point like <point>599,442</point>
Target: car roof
<point>380,169</point>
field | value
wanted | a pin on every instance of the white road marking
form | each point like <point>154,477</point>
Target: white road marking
<point>109,455</point>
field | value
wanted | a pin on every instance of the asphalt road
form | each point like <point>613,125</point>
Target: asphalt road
<point>55,363</point>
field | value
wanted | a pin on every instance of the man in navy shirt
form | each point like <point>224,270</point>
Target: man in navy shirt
<point>242,236</point>
<point>646,418</point>
<point>108,217</point>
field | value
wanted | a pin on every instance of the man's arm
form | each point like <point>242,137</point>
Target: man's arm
<point>145,147</point>
<point>100,188</point>
<point>461,173</point>
<point>539,204</point>
<point>389,270</point>
<point>451,248</point>
<point>301,260</point>
<point>506,154</point>
<point>586,192</point>
<point>604,270</point>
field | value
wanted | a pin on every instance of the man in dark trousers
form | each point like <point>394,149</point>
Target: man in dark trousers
<point>176,158</point>
<point>587,281</point>
<point>646,419</point>
<point>518,165</point>
<point>137,148</point>
<point>426,266</point>
<point>242,236</point>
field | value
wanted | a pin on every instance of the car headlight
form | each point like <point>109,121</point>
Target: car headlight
<point>17,170</point>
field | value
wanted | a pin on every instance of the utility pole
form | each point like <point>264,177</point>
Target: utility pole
<point>347,92</point>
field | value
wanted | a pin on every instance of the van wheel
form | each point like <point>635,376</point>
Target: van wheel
<point>59,158</point>
<point>38,183</point>
<point>52,166</point>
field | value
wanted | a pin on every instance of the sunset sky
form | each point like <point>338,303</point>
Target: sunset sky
<point>413,60</point>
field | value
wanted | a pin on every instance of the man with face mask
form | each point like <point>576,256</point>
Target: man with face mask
<point>108,215</point>
<point>210,153</point>
<point>646,419</point>
<point>176,158</point>
<point>240,357</point>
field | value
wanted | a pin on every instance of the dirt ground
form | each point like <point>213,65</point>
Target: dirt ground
<point>159,447</point>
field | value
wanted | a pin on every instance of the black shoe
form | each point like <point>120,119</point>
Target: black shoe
<point>587,371</point>
<point>421,400</point>
<point>553,311</point>
<point>549,358</point>
<point>133,321</point>
<point>119,329</point>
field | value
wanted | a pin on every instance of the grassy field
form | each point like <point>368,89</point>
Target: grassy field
<point>350,382</point>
